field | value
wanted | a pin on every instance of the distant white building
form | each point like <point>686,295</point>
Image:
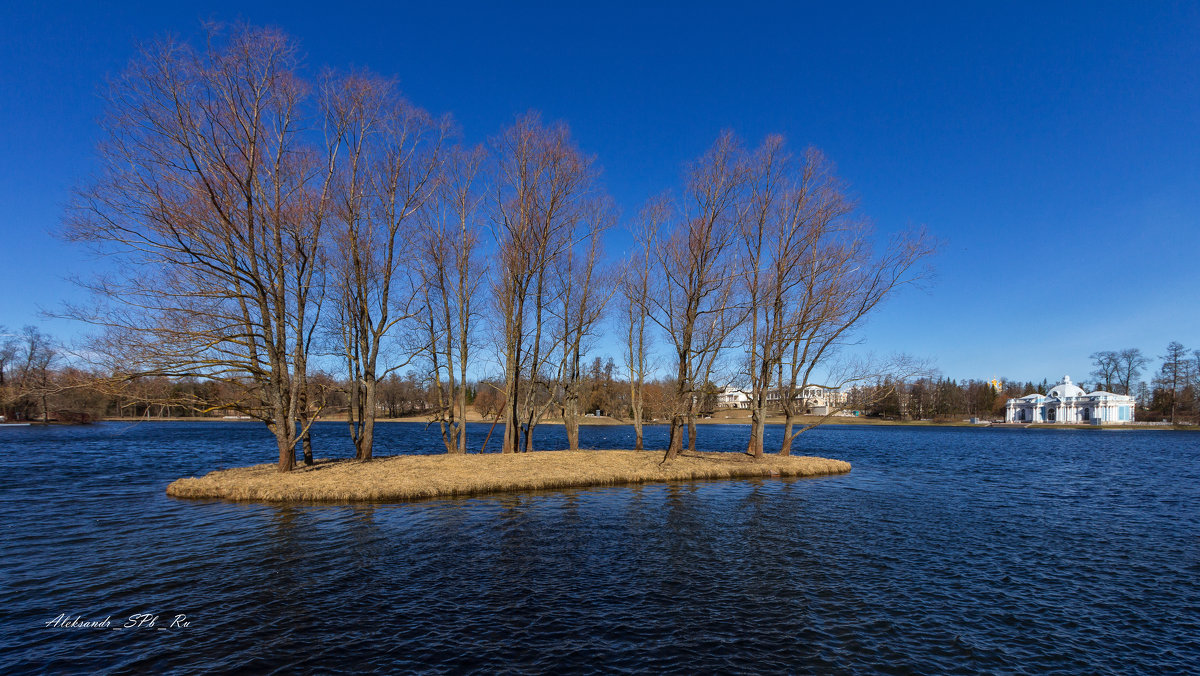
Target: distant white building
<point>732,397</point>
<point>817,399</point>
<point>1067,403</point>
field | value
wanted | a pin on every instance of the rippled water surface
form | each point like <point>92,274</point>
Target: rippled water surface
<point>944,551</point>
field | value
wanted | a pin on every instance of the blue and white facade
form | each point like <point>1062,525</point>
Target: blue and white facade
<point>1068,404</point>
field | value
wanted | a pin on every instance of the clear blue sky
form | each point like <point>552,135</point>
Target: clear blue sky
<point>1054,148</point>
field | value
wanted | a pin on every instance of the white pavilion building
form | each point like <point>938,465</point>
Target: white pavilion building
<point>1068,404</point>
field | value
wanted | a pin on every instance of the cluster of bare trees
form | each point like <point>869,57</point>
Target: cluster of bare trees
<point>1117,371</point>
<point>760,257</point>
<point>548,218</point>
<point>28,375</point>
<point>1175,390</point>
<point>261,218</point>
<point>262,221</point>
<point>1172,391</point>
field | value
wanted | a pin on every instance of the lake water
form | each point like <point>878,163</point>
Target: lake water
<point>945,550</point>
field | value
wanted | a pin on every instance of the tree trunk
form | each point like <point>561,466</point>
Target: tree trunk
<point>367,433</point>
<point>571,422</point>
<point>354,409</point>
<point>757,428</point>
<point>530,423</point>
<point>462,424</point>
<point>483,449</point>
<point>305,425</point>
<point>287,453</point>
<point>786,447</point>
<point>284,429</point>
<point>283,422</point>
<point>637,427</point>
<point>462,391</point>
<point>452,427</point>
<point>366,447</point>
<point>675,445</point>
<point>635,406</point>
<point>306,435</point>
<point>308,453</point>
<point>512,374</point>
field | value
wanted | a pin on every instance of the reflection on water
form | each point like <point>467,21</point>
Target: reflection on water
<point>944,550</point>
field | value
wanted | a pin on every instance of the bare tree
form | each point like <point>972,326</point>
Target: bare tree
<point>452,275</point>
<point>1130,363</point>
<point>543,183</point>
<point>213,203</point>
<point>8,357</point>
<point>1174,373</point>
<point>693,271</point>
<point>33,355</point>
<point>1108,366</point>
<point>799,241</point>
<point>825,281</point>
<point>582,297</point>
<point>772,237</point>
<point>635,296</point>
<point>715,335</point>
<point>791,263</point>
<point>387,171</point>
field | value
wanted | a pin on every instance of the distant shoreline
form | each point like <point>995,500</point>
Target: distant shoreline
<point>604,421</point>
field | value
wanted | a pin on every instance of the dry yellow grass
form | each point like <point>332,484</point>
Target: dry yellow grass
<point>415,477</point>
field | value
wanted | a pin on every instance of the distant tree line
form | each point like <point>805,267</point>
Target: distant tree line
<point>37,383</point>
<point>1169,395</point>
<point>29,374</point>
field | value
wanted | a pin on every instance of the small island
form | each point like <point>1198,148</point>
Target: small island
<point>415,477</point>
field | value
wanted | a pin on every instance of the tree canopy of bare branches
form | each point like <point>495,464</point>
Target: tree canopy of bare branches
<point>543,193</point>
<point>451,277</point>
<point>244,205</point>
<point>811,278</point>
<point>635,287</point>
<point>582,295</point>
<point>765,253</point>
<point>27,360</point>
<point>386,170</point>
<point>212,203</point>
<point>693,297</point>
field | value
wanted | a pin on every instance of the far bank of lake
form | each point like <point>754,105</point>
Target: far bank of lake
<point>800,421</point>
<point>944,550</point>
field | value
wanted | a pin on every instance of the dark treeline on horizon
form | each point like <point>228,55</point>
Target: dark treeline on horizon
<point>37,383</point>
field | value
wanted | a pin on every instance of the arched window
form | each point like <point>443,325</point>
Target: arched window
<point>1087,414</point>
<point>1050,414</point>
<point>1021,414</point>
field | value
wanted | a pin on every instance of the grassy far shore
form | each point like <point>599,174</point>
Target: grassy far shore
<point>415,477</point>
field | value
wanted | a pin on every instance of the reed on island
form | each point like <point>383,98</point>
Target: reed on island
<point>415,477</point>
